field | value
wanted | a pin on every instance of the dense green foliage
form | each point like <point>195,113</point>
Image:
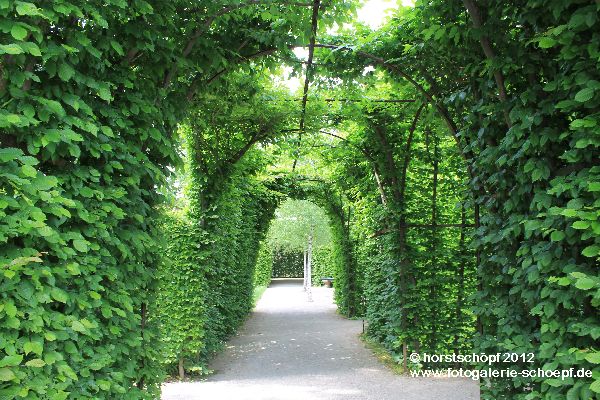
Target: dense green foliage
<point>323,264</point>
<point>181,312</point>
<point>83,148</point>
<point>521,85</point>
<point>91,93</point>
<point>405,229</point>
<point>263,271</point>
<point>462,219</point>
<point>229,210</point>
<point>287,263</point>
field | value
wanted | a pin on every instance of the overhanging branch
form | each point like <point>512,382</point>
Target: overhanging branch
<point>309,70</point>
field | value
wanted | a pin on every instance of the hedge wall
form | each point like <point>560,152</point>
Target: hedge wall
<point>82,150</point>
<point>525,93</point>
<point>263,271</point>
<point>323,264</point>
<point>181,310</point>
<point>238,225</point>
<point>288,264</point>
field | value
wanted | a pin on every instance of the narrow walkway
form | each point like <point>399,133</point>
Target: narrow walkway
<point>292,349</point>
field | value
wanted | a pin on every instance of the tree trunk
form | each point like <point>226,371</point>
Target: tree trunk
<point>305,285</point>
<point>181,369</point>
<point>309,265</point>
<point>461,279</point>
<point>488,50</point>
<point>434,249</point>
<point>478,262</point>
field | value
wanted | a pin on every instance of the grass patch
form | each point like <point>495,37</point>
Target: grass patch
<point>257,294</point>
<point>382,354</point>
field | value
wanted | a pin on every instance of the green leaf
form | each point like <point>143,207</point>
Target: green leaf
<point>11,49</point>
<point>584,95</point>
<point>29,171</point>
<point>94,295</point>
<point>107,131</point>
<point>585,283</point>
<point>33,347</point>
<point>18,32</point>
<point>35,363</point>
<point>9,153</point>
<point>45,182</point>
<point>104,94</point>
<point>24,8</point>
<point>580,225</point>
<point>6,375</point>
<point>11,361</point>
<point>73,269</point>
<point>65,72</point>
<point>564,281</point>
<point>595,386</point>
<point>591,251</point>
<point>104,385</point>
<point>582,123</point>
<point>78,327</point>
<point>31,48</point>
<point>10,309</point>
<point>546,42</point>
<point>117,47</point>
<point>81,245</point>
<point>557,236</point>
<point>54,107</point>
<point>13,119</point>
<point>86,192</point>
<point>594,357</point>
<point>59,295</point>
<point>45,231</point>
<point>554,382</point>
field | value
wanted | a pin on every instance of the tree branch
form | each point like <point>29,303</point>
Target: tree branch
<point>194,85</point>
<point>369,157</point>
<point>259,135</point>
<point>382,232</point>
<point>488,50</point>
<point>208,22</point>
<point>309,69</point>
<point>407,152</point>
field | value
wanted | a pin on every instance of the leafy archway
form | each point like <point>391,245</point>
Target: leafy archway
<point>92,96</point>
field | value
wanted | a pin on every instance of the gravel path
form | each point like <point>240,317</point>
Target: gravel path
<point>292,349</point>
